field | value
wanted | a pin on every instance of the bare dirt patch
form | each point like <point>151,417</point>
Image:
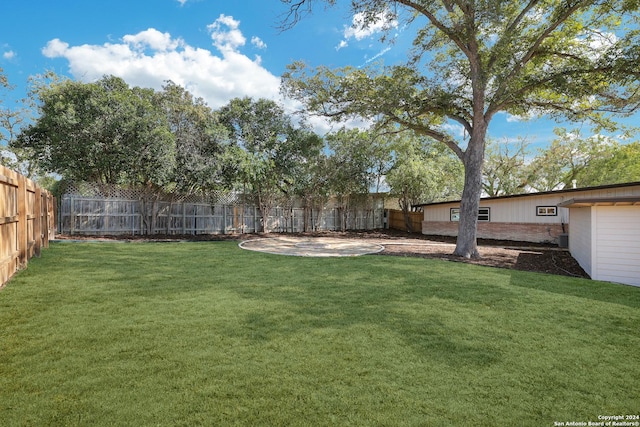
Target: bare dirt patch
<point>526,256</point>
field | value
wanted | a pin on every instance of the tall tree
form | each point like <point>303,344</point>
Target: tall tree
<point>201,141</point>
<point>558,165</point>
<point>312,186</point>
<point>267,149</point>
<point>102,132</point>
<point>422,172</point>
<point>618,164</point>
<point>10,121</point>
<point>350,168</point>
<point>7,124</point>
<point>472,59</point>
<point>504,168</point>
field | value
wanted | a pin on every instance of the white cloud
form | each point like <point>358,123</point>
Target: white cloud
<point>532,114</point>
<point>55,48</point>
<point>455,129</point>
<point>322,125</point>
<point>150,58</point>
<point>182,2</point>
<point>513,118</point>
<point>360,29</point>
<point>153,39</point>
<point>257,42</point>
<point>226,34</point>
<point>9,54</point>
<point>597,43</point>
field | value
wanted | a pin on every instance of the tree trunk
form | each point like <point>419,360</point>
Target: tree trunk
<point>466,243</point>
<point>407,221</point>
<point>404,206</point>
<point>265,209</point>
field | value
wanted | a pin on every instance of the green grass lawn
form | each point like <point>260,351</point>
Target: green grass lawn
<point>188,334</point>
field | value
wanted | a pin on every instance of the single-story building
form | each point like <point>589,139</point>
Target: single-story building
<point>605,237</point>
<point>599,221</point>
<point>530,217</point>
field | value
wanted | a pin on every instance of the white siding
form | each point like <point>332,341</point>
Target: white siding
<point>523,208</point>
<point>580,237</point>
<point>439,212</point>
<point>507,210</point>
<point>616,244</point>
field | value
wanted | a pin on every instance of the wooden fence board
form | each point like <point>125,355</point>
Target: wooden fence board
<point>26,221</point>
<point>397,222</point>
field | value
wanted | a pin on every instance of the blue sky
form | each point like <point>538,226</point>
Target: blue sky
<point>217,49</point>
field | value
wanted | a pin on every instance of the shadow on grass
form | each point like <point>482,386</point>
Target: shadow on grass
<point>148,269</point>
<point>614,293</point>
<point>401,303</point>
<point>429,336</point>
<point>447,312</point>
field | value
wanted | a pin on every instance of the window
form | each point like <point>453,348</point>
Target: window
<point>546,211</point>
<point>483,214</point>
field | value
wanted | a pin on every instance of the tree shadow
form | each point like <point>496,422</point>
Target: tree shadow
<point>577,286</point>
<point>400,306</point>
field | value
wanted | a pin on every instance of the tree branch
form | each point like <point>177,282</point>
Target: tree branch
<point>295,14</point>
<point>511,28</point>
<point>437,23</point>
<point>533,49</point>
<point>564,74</point>
<point>432,133</point>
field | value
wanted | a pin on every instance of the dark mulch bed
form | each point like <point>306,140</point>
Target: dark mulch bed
<point>527,256</point>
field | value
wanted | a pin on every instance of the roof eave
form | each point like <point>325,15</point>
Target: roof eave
<point>542,193</point>
<point>600,201</point>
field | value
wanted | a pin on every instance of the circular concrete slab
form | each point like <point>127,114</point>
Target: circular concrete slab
<point>313,247</point>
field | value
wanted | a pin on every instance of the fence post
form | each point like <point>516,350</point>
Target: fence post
<point>255,219</point>
<point>224,219</point>
<point>53,212</point>
<point>134,217</point>
<point>107,214</point>
<point>22,221</point>
<point>72,222</point>
<point>37,221</point>
<point>45,220</point>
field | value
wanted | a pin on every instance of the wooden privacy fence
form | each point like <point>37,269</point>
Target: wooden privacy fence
<point>26,221</point>
<point>397,221</point>
<point>105,216</point>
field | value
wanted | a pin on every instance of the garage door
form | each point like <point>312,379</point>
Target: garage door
<point>616,251</point>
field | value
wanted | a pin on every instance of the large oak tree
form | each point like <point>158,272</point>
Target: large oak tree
<point>570,59</point>
<point>201,141</point>
<point>103,132</point>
